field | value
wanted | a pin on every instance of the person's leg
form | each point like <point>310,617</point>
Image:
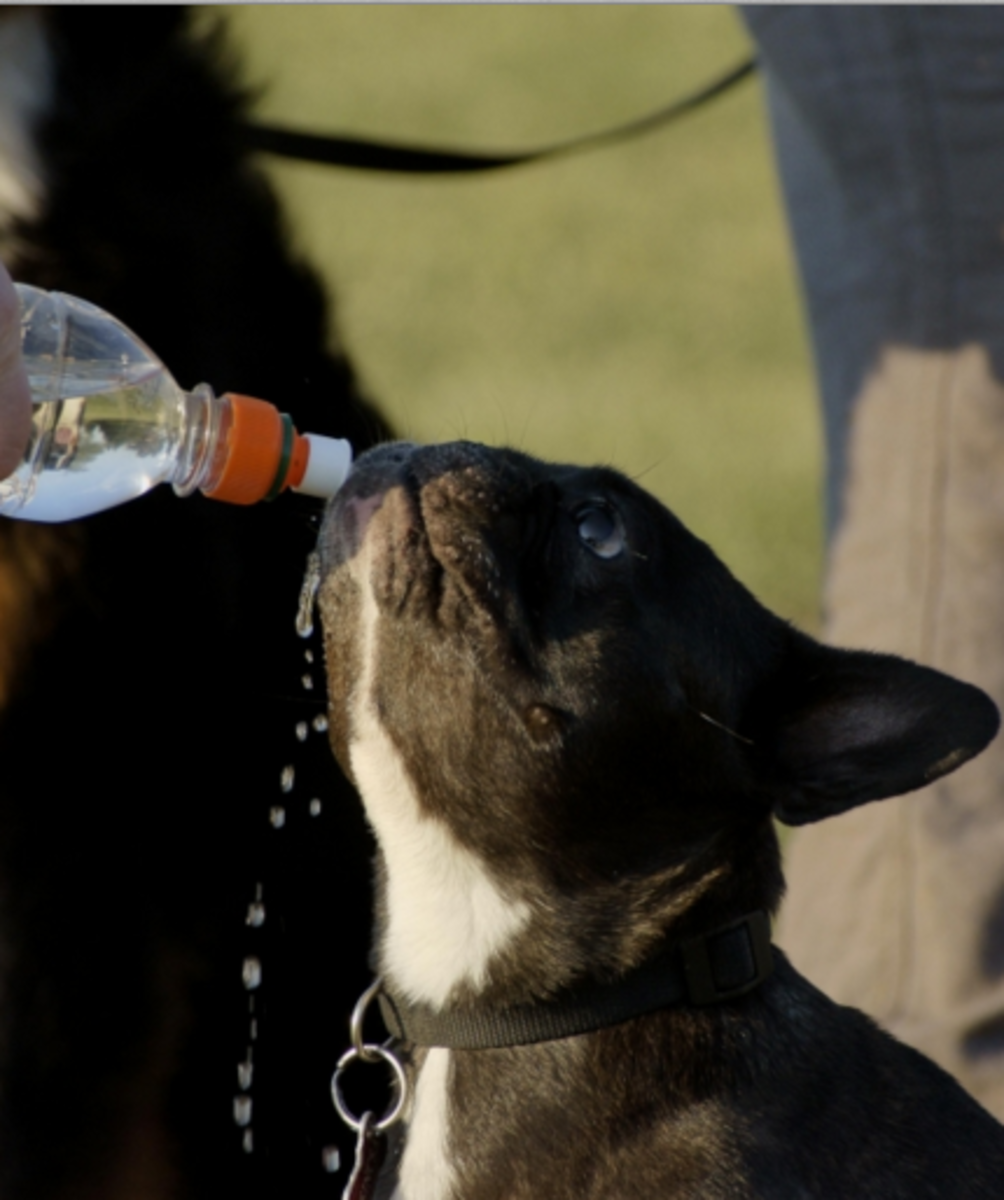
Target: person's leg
<point>889,126</point>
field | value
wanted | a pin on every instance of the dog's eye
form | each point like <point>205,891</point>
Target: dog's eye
<point>600,529</point>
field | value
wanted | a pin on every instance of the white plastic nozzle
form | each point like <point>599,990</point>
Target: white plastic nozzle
<point>327,467</point>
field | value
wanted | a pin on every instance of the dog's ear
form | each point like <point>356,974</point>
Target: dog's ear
<point>849,727</point>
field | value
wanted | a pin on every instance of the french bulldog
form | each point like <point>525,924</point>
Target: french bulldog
<point>572,730</point>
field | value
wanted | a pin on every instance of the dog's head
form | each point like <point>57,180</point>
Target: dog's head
<point>544,666</point>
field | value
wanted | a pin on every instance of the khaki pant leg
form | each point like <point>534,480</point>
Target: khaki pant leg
<point>898,907</point>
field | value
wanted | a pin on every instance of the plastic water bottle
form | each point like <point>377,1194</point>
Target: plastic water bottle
<point>109,423</point>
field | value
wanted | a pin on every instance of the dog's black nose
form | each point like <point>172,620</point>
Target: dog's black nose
<point>374,472</point>
<point>430,462</point>
<point>382,463</point>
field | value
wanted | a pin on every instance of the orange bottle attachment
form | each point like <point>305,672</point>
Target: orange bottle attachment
<point>250,452</point>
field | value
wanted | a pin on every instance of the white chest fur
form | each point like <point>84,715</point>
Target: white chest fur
<point>447,917</point>
<point>425,1172</point>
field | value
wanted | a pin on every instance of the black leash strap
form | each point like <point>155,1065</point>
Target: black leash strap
<point>388,156</point>
<point>720,966</point>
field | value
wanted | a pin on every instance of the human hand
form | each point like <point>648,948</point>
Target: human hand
<point>15,397</point>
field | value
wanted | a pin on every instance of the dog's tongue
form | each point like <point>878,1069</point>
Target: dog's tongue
<point>373,475</point>
<point>359,511</point>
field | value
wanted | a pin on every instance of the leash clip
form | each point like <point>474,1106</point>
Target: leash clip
<point>369,1052</point>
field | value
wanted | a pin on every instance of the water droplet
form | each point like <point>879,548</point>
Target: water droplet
<point>315,808</point>
<point>242,1110</point>
<point>253,1031</point>
<point>277,815</point>
<point>251,1003</point>
<point>308,682</point>
<point>245,1073</point>
<point>308,594</point>
<point>302,729</point>
<point>257,891</point>
<point>248,1142</point>
<point>286,779</point>
<point>256,915</point>
<point>308,655</point>
<point>251,972</point>
<point>331,1159</point>
<point>321,723</point>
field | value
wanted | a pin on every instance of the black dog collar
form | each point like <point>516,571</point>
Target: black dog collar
<point>711,969</point>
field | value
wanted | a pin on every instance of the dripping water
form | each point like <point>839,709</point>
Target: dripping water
<point>308,595</point>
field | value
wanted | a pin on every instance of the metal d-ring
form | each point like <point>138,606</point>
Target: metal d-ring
<point>367,1052</point>
<point>370,1053</point>
<point>356,1036</point>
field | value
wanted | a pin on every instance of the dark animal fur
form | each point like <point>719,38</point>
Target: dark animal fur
<point>626,822</point>
<point>147,655</point>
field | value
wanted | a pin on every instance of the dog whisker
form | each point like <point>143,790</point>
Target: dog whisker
<point>653,466</point>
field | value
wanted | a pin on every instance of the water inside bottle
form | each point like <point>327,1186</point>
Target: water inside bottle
<point>112,436</point>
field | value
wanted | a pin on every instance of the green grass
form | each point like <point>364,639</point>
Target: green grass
<point>636,306</point>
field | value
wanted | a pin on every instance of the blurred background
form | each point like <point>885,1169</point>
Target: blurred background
<point>636,306</point>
